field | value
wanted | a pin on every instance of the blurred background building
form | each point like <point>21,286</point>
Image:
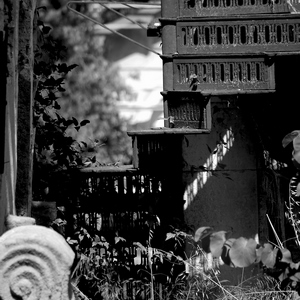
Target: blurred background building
<point>140,69</point>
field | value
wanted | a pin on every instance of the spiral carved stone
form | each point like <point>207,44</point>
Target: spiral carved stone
<point>35,264</point>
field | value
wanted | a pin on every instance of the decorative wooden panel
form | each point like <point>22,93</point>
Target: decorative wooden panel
<point>250,34</point>
<point>224,73</point>
<point>190,110</point>
<point>196,8</point>
<point>204,8</point>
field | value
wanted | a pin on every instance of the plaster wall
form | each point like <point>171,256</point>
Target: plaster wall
<point>220,175</point>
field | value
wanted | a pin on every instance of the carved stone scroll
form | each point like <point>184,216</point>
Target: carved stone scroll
<point>35,264</point>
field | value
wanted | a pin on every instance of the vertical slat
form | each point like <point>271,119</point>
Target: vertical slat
<point>3,103</point>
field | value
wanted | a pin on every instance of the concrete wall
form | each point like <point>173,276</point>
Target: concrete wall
<point>225,197</point>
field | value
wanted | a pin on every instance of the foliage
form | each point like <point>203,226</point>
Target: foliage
<point>94,87</point>
<point>293,212</point>
<point>54,148</point>
<point>187,277</point>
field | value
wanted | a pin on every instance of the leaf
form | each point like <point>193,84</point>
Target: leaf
<point>208,149</point>
<point>201,232</point>
<point>42,7</point>
<point>75,122</point>
<point>290,137</point>
<point>286,256</point>
<point>84,122</point>
<point>68,122</point>
<point>225,252</point>
<point>61,89</point>
<point>259,251</point>
<point>295,277</point>
<point>71,67</point>
<point>170,235</point>
<point>217,241</point>
<point>84,144</point>
<point>59,81</point>
<point>243,252</point>
<point>140,246</point>
<point>298,190</point>
<point>46,29</point>
<point>56,105</point>
<point>118,239</point>
<point>268,256</point>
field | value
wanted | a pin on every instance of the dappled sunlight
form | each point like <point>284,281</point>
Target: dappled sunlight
<point>210,165</point>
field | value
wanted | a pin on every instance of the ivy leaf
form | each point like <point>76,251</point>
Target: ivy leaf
<point>62,68</point>
<point>71,67</point>
<point>217,241</point>
<point>259,250</point>
<point>59,81</point>
<point>268,256</point>
<point>75,122</point>
<point>298,190</point>
<point>84,144</point>
<point>225,252</point>
<point>170,235</point>
<point>243,252</point>
<point>56,105</point>
<point>286,256</point>
<point>46,29</point>
<point>50,81</point>
<point>201,232</point>
<point>290,137</point>
<point>68,122</point>
<point>42,7</point>
<point>296,142</point>
<point>295,277</point>
<point>61,89</point>
<point>84,122</point>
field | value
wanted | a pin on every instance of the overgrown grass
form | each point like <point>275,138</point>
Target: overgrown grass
<point>262,287</point>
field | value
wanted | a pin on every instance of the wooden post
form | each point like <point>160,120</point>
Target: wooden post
<point>25,104</point>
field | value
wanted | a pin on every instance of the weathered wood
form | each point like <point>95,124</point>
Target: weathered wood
<point>25,104</point>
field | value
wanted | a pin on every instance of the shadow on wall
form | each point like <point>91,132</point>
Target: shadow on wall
<point>220,177</point>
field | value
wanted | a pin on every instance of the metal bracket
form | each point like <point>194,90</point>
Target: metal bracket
<point>105,4</point>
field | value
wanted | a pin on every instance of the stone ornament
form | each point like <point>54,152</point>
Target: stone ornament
<point>14,221</point>
<point>35,263</point>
